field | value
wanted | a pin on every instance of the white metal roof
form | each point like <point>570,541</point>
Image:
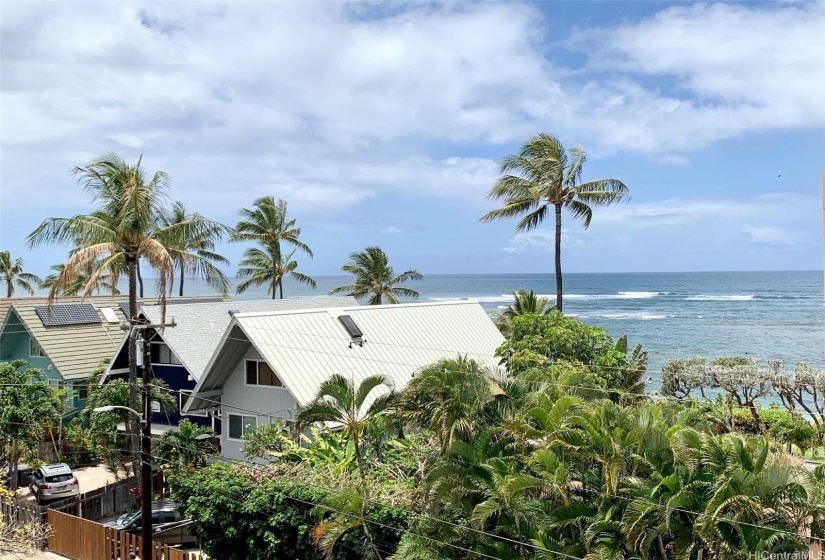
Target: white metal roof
<point>201,325</point>
<point>306,347</point>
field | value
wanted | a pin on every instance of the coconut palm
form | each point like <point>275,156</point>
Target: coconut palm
<point>525,302</point>
<point>543,176</point>
<point>116,236</point>
<point>261,267</point>
<point>108,282</point>
<point>374,277</point>
<point>340,402</point>
<point>194,251</point>
<point>12,273</point>
<point>268,226</point>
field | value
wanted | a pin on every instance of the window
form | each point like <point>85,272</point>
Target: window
<point>183,396</point>
<point>259,373</point>
<point>161,354</point>
<point>82,390</point>
<point>34,349</point>
<point>240,426</point>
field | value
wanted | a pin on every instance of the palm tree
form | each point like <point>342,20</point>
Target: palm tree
<point>188,447</point>
<point>116,236</point>
<point>108,282</point>
<point>267,225</point>
<point>525,302</point>
<point>194,251</point>
<point>13,273</point>
<point>374,277</point>
<point>340,402</point>
<point>449,398</point>
<point>544,176</point>
<point>261,267</point>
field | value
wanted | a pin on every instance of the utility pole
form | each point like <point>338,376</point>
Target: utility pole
<point>143,359</point>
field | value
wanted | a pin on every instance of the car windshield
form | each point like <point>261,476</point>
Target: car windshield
<point>59,478</point>
<point>130,518</point>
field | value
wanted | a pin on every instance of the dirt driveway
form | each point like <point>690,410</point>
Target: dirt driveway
<point>90,478</point>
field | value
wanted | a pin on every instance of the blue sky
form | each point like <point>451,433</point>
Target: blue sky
<point>383,124</point>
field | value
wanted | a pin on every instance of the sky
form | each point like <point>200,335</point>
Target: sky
<point>384,123</point>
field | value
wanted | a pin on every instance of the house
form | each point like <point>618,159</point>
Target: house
<point>67,340</point>
<point>179,354</point>
<point>268,364</point>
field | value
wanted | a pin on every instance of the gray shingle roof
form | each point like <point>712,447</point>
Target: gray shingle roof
<point>200,326</point>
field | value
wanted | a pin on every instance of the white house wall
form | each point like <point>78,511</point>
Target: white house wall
<point>269,402</point>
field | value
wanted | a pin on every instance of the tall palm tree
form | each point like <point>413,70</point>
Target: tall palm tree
<point>12,273</point>
<point>374,277</point>
<point>194,251</point>
<point>339,401</point>
<point>268,226</point>
<point>116,236</point>
<point>261,267</point>
<point>543,175</point>
<point>525,303</point>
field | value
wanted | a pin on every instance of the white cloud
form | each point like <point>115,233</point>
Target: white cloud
<point>735,69</point>
<point>774,235</point>
<point>542,241</point>
<point>670,224</point>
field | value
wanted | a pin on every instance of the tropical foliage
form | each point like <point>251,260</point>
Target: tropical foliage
<point>375,279</point>
<point>563,456</point>
<point>12,273</point>
<point>545,177</point>
<point>78,285</point>
<point>525,302</point>
<point>187,448</point>
<point>28,404</point>
<point>267,225</point>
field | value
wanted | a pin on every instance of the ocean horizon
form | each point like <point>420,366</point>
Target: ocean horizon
<point>760,314</point>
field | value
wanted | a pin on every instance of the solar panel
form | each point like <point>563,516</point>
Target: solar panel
<point>67,314</point>
<point>351,327</point>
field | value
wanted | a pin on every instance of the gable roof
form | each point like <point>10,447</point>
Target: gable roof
<point>200,326</point>
<point>305,348</point>
<point>73,349</point>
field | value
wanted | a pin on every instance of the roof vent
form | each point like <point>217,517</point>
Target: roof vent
<point>232,312</point>
<point>354,332</point>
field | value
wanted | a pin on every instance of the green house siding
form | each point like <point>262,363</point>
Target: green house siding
<point>14,345</point>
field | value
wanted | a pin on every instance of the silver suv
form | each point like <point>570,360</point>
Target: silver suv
<point>53,482</point>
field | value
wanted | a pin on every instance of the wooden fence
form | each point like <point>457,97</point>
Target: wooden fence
<point>22,513</point>
<point>107,501</point>
<point>81,539</point>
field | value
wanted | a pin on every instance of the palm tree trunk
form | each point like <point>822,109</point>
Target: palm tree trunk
<point>558,258</point>
<point>180,292</point>
<point>360,461</point>
<point>139,278</point>
<point>281,288</point>
<point>9,288</point>
<point>134,440</point>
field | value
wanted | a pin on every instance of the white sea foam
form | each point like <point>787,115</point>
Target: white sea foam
<point>633,316</point>
<point>617,295</point>
<point>735,297</point>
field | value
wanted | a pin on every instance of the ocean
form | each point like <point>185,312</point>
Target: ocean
<point>765,315</point>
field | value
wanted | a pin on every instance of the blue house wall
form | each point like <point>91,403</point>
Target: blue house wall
<point>176,378</point>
